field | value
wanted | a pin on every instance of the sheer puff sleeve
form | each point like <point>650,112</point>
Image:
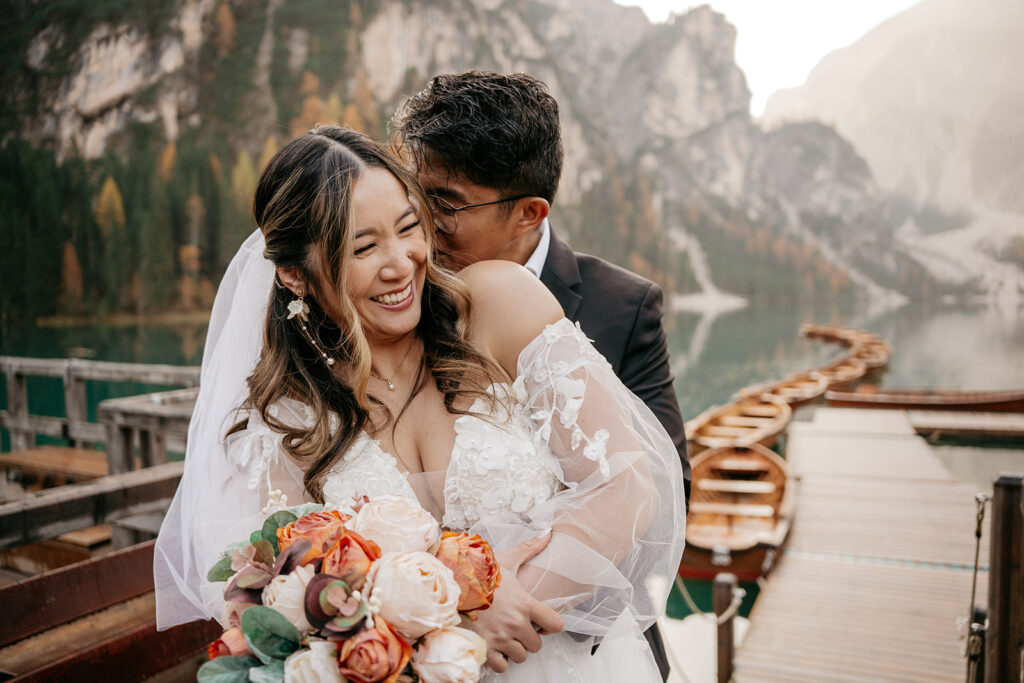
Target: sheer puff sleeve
<point>618,524</point>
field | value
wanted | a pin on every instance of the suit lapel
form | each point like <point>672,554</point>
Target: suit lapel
<point>561,275</point>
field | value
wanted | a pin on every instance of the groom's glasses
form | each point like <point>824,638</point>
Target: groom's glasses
<point>446,214</point>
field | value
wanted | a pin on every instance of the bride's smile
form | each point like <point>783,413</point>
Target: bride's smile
<point>387,267</point>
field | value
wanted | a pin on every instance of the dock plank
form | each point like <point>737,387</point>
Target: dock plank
<point>878,566</point>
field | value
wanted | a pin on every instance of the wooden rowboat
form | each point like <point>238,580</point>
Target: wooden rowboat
<point>757,420</point>
<point>796,390</point>
<point>844,371</point>
<point>930,399</point>
<point>873,350</point>
<point>741,509</point>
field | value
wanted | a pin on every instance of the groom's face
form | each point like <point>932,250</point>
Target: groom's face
<point>474,234</point>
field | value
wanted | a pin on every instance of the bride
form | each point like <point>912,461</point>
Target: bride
<point>342,362</point>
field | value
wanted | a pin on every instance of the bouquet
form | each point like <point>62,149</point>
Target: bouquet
<point>318,595</point>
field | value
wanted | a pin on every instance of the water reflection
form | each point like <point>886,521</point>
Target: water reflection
<point>714,355</point>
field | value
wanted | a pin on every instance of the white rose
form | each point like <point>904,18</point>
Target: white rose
<point>318,664</point>
<point>397,524</point>
<point>450,655</point>
<point>416,593</point>
<point>287,594</point>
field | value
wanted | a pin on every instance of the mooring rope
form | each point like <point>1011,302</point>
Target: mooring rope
<point>734,606</point>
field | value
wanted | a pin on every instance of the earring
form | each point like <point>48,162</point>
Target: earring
<point>297,308</point>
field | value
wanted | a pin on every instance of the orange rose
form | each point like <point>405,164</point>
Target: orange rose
<point>322,529</point>
<point>476,571</point>
<point>374,654</point>
<point>350,558</point>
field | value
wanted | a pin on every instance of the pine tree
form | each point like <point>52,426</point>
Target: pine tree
<point>109,208</point>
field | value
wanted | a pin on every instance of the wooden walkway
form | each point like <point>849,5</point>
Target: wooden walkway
<point>878,566</point>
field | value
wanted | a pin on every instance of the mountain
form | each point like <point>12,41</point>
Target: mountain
<point>934,100</point>
<point>135,131</point>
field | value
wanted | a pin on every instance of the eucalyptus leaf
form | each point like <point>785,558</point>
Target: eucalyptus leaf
<point>268,673</point>
<point>305,509</point>
<point>273,523</point>
<point>268,634</point>
<point>226,670</point>
<point>255,536</point>
<point>221,571</point>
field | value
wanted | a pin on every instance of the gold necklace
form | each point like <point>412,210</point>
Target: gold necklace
<point>398,370</point>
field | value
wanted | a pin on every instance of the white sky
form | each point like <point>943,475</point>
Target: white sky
<point>778,42</point>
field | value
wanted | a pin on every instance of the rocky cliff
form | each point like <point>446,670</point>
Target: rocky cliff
<point>934,100</point>
<point>183,101</point>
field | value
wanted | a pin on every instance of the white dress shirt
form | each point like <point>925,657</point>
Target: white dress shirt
<point>535,264</point>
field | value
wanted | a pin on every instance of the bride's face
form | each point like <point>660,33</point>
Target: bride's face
<point>387,267</point>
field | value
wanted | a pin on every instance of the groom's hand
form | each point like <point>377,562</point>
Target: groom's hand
<point>511,624</point>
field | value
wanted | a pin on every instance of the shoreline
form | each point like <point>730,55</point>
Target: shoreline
<point>163,319</point>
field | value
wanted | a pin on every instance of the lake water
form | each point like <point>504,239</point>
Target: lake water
<point>712,356</point>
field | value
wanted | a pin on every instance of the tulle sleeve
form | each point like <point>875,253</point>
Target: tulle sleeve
<point>618,524</point>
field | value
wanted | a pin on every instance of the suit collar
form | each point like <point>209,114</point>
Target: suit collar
<point>561,275</point>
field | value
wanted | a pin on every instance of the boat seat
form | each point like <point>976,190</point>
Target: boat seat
<point>743,421</point>
<point>743,465</point>
<point>760,410</point>
<point>735,486</point>
<point>722,430</point>
<point>702,508</point>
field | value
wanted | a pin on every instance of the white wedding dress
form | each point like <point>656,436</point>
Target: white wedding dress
<point>569,448</point>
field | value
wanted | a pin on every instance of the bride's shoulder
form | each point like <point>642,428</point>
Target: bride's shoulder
<point>510,308</point>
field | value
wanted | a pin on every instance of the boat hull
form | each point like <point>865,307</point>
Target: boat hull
<point>981,401</point>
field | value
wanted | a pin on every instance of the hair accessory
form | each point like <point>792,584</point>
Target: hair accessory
<point>297,308</point>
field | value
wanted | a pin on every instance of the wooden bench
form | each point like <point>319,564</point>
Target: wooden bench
<point>95,620</point>
<point>58,463</point>
<point>702,508</point>
<point>735,486</point>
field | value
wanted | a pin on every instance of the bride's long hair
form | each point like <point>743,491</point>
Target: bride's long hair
<point>303,205</point>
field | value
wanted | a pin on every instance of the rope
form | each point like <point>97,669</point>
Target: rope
<point>734,606</point>
<point>974,631</point>
<point>980,499</point>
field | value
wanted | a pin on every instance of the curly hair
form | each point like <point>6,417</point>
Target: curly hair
<point>303,205</point>
<point>501,131</point>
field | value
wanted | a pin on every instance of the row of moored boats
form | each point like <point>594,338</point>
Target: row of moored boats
<point>744,497</point>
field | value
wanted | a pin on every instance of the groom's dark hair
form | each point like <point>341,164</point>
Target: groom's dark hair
<point>496,130</point>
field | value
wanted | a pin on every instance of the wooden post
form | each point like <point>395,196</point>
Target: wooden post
<point>17,407</point>
<point>1004,642</point>
<point>722,591</point>
<point>74,404</point>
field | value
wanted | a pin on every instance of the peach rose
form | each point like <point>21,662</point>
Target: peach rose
<point>374,654</point>
<point>476,571</point>
<point>416,592</point>
<point>350,559</point>
<point>230,643</point>
<point>322,529</point>
<point>396,524</point>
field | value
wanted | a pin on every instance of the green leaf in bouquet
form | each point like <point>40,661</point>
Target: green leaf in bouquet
<point>226,670</point>
<point>268,634</point>
<point>255,536</point>
<point>272,672</point>
<point>305,509</point>
<point>265,553</point>
<point>221,571</point>
<point>270,526</point>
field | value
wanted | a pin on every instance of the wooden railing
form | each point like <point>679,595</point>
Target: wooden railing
<point>145,420</point>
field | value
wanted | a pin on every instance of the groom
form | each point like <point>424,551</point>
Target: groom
<point>487,150</point>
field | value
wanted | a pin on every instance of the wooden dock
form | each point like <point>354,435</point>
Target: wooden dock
<point>878,565</point>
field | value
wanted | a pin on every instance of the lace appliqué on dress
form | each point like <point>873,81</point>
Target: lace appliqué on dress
<point>365,470</point>
<point>496,467</point>
<point>555,367</point>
